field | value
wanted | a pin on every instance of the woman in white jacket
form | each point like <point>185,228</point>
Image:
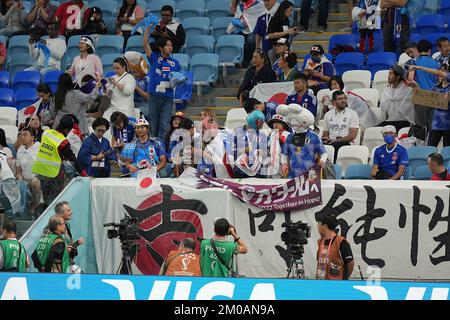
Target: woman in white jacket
<point>122,86</point>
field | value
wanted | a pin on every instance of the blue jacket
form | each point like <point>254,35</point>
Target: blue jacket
<point>91,147</point>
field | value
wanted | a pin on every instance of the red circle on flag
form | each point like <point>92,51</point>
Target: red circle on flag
<point>146,182</point>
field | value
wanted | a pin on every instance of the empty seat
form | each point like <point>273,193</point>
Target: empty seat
<point>199,44</point>
<point>373,138</point>
<point>216,9</point>
<point>230,49</point>
<point>155,6</point>
<point>51,78</point>
<point>338,170</point>
<point>348,61</point>
<point>418,155</point>
<point>183,60</point>
<point>378,114</point>
<point>6,97</point>
<point>430,24</point>
<point>205,67</point>
<point>107,61</point>
<point>415,37</point>
<point>342,40</point>
<point>190,8</point>
<point>219,26</point>
<point>422,173</point>
<point>26,79</point>
<point>348,155</point>
<point>380,82</point>
<point>195,26</point>
<point>24,98</point>
<point>19,62</point>
<point>11,132</point>
<point>236,118</point>
<point>380,61</point>
<point>445,8</point>
<point>4,79</point>
<point>8,116</point>
<point>359,171</point>
<point>356,79</point>
<point>330,152</point>
<point>18,45</point>
<point>109,44</point>
<point>445,152</point>
<point>368,94</point>
<point>135,43</point>
<point>110,23</point>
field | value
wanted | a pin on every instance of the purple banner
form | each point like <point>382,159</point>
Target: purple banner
<point>302,192</point>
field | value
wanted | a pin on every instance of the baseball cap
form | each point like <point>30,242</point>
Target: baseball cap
<point>141,122</point>
<point>317,48</point>
<point>282,41</point>
<point>178,114</point>
<point>278,118</point>
<point>389,128</point>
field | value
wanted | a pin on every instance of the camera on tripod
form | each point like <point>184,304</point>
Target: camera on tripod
<point>127,229</point>
<point>295,237</point>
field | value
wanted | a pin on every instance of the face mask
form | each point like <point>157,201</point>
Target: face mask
<point>389,139</point>
<point>316,59</point>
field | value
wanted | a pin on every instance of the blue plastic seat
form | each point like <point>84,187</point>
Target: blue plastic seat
<point>154,6</point>
<point>348,61</point>
<point>109,44</point>
<point>18,45</point>
<point>24,98</point>
<point>4,40</point>
<point>380,61</point>
<point>107,61</point>
<point>19,62</point>
<point>230,49</point>
<point>26,79</point>
<point>109,8</point>
<point>6,97</point>
<point>445,152</point>
<point>195,26</point>
<point>358,171</point>
<point>183,60</point>
<point>190,8</point>
<point>415,37</point>
<point>199,44</point>
<point>343,40</point>
<point>418,156</point>
<point>27,5</point>
<point>216,9</point>
<point>422,173</point>
<point>219,26</point>
<point>430,24</point>
<point>51,78</point>
<point>4,79</point>
<point>445,8</point>
<point>338,170</point>
<point>110,23</point>
<point>205,67</point>
<point>135,43</point>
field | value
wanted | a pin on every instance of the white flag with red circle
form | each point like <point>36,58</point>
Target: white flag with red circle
<point>147,183</point>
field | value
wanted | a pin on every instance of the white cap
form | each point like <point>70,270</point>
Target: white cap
<point>389,128</point>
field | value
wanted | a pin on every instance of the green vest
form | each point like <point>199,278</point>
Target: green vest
<point>11,259</point>
<point>48,162</point>
<point>210,265</point>
<point>45,245</point>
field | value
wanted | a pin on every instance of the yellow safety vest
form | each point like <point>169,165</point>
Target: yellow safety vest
<point>48,162</point>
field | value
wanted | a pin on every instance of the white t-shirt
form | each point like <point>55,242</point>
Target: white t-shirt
<point>7,151</point>
<point>122,100</point>
<point>338,124</point>
<point>25,159</point>
<point>5,170</point>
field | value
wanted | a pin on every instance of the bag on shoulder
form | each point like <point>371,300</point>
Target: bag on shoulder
<point>105,101</point>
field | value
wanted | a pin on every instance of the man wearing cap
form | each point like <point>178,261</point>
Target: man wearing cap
<point>269,109</point>
<point>390,159</point>
<point>145,151</point>
<point>396,104</point>
<point>280,47</point>
<point>87,63</point>
<point>318,69</point>
<point>301,95</point>
<point>49,167</point>
<point>72,16</point>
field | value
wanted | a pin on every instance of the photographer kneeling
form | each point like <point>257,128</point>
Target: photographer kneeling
<point>334,255</point>
<point>183,262</point>
<point>216,254</point>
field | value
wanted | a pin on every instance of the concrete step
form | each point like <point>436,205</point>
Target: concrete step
<point>338,17</point>
<point>315,36</point>
<point>302,45</point>
<point>228,102</point>
<point>334,26</point>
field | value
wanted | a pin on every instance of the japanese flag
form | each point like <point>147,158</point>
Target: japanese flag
<point>27,112</point>
<point>146,182</point>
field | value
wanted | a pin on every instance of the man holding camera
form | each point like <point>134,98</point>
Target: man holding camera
<point>167,28</point>
<point>216,254</point>
<point>47,53</point>
<point>334,255</point>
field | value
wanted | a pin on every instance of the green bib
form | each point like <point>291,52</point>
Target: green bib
<point>11,260</point>
<point>45,245</point>
<point>210,265</point>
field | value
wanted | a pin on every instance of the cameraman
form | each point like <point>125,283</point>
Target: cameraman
<point>172,30</point>
<point>210,263</point>
<point>334,255</point>
<point>183,262</point>
<point>47,54</point>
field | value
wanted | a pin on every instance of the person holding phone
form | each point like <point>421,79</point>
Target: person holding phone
<point>96,154</point>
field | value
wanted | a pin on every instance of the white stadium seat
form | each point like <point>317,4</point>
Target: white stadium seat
<point>10,133</point>
<point>235,118</point>
<point>322,93</point>
<point>380,82</point>
<point>355,79</point>
<point>377,112</point>
<point>330,151</point>
<point>370,95</point>
<point>373,138</point>
<point>8,116</point>
<point>348,155</point>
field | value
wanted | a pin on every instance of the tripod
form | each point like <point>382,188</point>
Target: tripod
<point>127,257</point>
<point>296,267</point>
